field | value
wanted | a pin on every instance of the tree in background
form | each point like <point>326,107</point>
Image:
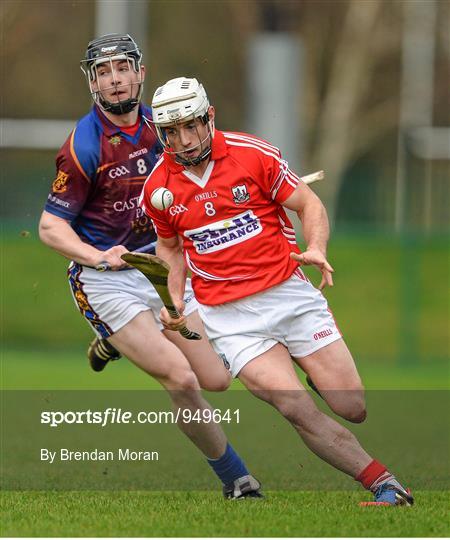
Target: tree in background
<point>352,71</point>
<point>352,77</point>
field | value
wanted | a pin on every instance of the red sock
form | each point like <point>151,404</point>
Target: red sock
<point>374,475</point>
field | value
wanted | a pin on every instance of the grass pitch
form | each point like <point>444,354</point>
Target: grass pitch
<point>282,514</point>
<point>408,314</point>
<point>204,513</point>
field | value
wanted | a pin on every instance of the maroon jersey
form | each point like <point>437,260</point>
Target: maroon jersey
<point>100,174</point>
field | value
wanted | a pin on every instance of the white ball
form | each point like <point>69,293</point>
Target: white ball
<point>161,198</point>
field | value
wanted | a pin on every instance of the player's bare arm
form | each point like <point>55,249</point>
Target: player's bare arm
<point>169,249</point>
<point>57,233</point>
<point>316,230</point>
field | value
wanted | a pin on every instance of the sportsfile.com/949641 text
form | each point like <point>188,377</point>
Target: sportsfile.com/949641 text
<point>113,415</point>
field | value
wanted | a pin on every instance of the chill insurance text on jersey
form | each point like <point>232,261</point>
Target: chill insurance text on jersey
<point>231,218</point>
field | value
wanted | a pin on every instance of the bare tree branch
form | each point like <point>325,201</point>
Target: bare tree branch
<point>348,82</point>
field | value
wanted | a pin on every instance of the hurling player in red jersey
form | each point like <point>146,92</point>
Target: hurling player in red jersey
<point>92,217</point>
<point>259,310</point>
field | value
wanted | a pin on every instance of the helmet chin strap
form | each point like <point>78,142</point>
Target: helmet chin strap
<point>194,161</point>
<point>123,107</point>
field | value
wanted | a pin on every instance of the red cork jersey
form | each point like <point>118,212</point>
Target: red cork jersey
<point>101,170</point>
<point>236,235</point>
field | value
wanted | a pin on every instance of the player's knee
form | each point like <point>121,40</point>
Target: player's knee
<point>358,412</point>
<point>218,384</point>
<point>349,404</point>
<point>360,417</point>
<point>357,415</point>
<point>353,411</point>
<point>183,379</point>
<point>214,380</point>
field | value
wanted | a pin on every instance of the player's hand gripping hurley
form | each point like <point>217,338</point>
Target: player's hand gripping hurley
<point>156,271</point>
<point>167,200</point>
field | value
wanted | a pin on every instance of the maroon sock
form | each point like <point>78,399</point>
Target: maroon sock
<point>374,475</point>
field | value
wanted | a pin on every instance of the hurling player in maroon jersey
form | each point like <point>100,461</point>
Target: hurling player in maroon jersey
<point>92,216</point>
<point>261,313</point>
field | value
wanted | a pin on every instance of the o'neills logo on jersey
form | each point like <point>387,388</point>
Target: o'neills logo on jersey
<point>225,233</point>
<point>206,195</point>
<point>323,334</point>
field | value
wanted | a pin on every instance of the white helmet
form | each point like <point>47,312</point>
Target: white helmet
<point>177,101</point>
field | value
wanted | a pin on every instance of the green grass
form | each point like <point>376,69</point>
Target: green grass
<point>68,370</point>
<point>390,300</point>
<point>390,296</point>
<point>283,513</point>
<point>286,514</point>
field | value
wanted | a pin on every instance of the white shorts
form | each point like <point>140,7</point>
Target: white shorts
<point>109,300</point>
<point>294,314</point>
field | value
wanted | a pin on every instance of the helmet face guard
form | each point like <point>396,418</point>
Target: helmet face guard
<point>177,102</point>
<point>106,50</point>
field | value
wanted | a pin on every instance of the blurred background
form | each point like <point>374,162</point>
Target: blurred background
<point>358,88</point>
